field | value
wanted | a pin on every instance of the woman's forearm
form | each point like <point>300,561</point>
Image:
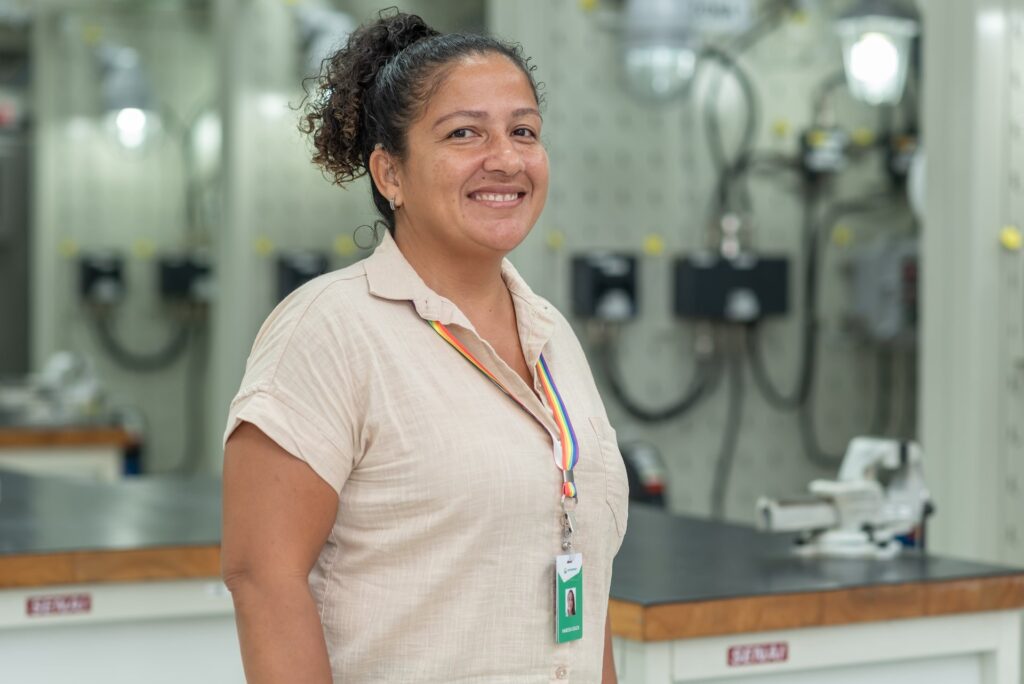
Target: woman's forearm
<point>279,631</point>
<point>608,675</point>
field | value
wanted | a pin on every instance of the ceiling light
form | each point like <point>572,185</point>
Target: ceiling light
<point>876,37</point>
<point>659,48</point>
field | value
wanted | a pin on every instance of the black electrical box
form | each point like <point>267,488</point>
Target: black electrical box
<point>899,154</point>
<point>604,286</point>
<point>186,277</point>
<point>739,290</point>
<point>101,277</point>
<point>823,151</point>
<point>297,268</point>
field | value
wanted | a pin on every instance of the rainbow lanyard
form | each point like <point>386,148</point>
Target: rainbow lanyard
<point>570,445</point>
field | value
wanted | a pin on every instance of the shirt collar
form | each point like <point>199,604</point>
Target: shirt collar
<point>534,314</point>
<point>390,276</point>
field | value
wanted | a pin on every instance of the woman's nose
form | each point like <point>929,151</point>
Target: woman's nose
<point>504,157</point>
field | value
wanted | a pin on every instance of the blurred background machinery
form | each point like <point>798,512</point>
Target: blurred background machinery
<point>734,224</point>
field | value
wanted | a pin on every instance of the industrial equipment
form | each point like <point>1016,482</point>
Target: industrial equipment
<point>101,279</point>
<point>604,286</point>
<point>884,278</point>
<point>879,498</point>
<point>877,36</point>
<point>296,268</point>
<point>186,278</point>
<point>645,473</point>
<point>740,290</point>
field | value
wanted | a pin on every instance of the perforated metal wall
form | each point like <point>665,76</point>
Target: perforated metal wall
<point>92,194</point>
<point>627,175</point>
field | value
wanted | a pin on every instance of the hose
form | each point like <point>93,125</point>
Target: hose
<point>703,382</point>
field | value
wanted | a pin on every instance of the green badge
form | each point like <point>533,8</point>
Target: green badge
<point>568,597</point>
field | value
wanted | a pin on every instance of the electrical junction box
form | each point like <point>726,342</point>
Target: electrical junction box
<point>823,151</point>
<point>645,472</point>
<point>101,277</point>
<point>297,268</point>
<point>740,290</point>
<point>899,154</point>
<point>884,282</point>
<point>604,286</point>
<point>186,278</point>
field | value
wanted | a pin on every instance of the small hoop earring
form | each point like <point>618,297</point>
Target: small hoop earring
<point>391,203</point>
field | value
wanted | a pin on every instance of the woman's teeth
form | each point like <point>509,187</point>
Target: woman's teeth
<point>493,197</point>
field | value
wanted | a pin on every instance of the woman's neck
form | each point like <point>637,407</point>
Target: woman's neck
<point>472,283</point>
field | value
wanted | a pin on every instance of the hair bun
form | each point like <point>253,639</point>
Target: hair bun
<point>393,32</point>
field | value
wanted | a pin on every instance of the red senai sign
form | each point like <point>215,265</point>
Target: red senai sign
<point>58,604</point>
<point>759,654</point>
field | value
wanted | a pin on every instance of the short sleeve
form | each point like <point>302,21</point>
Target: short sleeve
<point>298,388</point>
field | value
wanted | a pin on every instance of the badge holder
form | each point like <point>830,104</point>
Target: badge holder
<point>568,582</point>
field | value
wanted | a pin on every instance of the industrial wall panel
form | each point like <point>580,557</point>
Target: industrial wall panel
<point>94,194</point>
<point>631,176</point>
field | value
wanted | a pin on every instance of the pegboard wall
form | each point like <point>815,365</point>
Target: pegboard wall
<point>625,175</point>
<point>1011,268</point>
<point>635,177</point>
<point>94,195</point>
<point>294,205</point>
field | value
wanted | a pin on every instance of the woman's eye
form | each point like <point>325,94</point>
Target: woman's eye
<point>525,133</point>
<point>460,133</point>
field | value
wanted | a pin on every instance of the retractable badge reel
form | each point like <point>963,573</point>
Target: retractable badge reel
<point>568,572</point>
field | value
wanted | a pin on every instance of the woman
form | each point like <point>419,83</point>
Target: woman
<point>394,458</point>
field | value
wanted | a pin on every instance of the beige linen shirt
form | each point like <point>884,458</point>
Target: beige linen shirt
<point>440,564</point>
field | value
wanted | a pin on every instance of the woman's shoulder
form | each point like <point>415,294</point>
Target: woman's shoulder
<point>322,300</point>
<point>323,311</point>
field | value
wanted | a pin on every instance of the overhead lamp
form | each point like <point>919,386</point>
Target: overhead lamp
<point>876,37</point>
<point>659,48</point>
<point>126,95</point>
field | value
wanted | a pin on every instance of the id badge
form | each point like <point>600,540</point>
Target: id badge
<point>568,597</point>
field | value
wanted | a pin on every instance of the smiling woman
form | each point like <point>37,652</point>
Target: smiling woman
<point>392,510</point>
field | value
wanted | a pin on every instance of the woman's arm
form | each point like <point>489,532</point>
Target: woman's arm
<point>608,675</point>
<point>277,515</point>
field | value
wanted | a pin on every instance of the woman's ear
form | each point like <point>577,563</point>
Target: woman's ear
<point>385,174</point>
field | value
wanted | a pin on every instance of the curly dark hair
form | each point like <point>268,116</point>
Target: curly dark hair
<point>372,89</point>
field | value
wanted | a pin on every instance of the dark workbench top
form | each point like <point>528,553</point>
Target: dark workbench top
<point>59,531</point>
<point>51,515</point>
<point>665,559</point>
<point>673,559</point>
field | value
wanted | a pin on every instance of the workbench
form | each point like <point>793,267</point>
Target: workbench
<point>87,451</point>
<point>113,583</point>
<point>702,601</point>
<point>118,583</point>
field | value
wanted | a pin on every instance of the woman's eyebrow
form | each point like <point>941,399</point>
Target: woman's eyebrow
<point>462,112</point>
<point>474,114</point>
<point>526,111</point>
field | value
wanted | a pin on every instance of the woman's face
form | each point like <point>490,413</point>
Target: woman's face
<point>475,176</point>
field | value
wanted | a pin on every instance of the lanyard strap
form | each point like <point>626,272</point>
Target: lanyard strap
<point>570,455</point>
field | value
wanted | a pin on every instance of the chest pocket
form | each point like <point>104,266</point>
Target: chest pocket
<point>616,485</point>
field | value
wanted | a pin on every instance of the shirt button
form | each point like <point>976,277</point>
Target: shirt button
<point>562,673</point>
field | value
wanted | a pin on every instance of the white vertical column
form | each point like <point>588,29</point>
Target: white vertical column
<point>45,200</point>
<point>965,125</point>
<point>236,261</point>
